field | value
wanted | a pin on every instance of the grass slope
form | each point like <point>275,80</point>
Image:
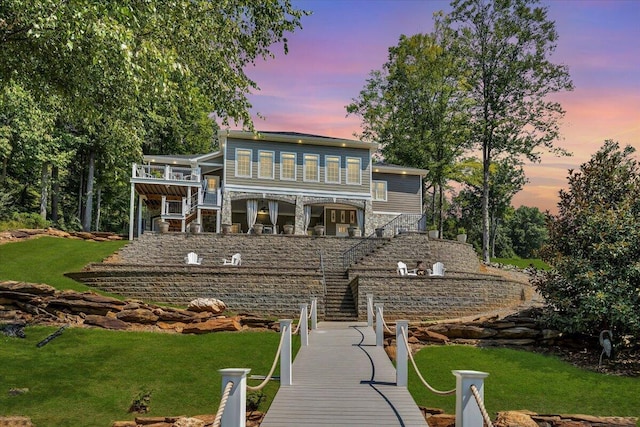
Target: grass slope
<point>46,259</point>
<point>523,380</point>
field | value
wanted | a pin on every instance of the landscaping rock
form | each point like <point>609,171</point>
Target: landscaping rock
<point>517,333</point>
<point>106,322</point>
<point>514,419</point>
<point>213,325</point>
<point>15,421</point>
<point>210,305</point>
<point>424,334</point>
<point>189,422</point>
<point>457,330</point>
<point>27,288</point>
<point>442,420</point>
<point>139,315</point>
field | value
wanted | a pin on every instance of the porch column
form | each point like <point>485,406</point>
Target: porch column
<point>139,215</point>
<point>225,213</point>
<point>369,226</point>
<point>131,210</point>
<point>299,215</point>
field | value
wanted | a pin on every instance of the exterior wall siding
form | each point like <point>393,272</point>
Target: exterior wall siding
<point>403,193</point>
<point>299,184</point>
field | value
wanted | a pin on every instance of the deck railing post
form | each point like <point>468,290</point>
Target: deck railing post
<point>285,352</point>
<point>402,353</point>
<point>379,325</point>
<point>304,325</point>
<point>370,310</point>
<point>468,413</point>
<point>314,313</point>
<point>235,413</point>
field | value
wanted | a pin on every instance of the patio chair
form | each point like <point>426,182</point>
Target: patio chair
<point>235,260</point>
<point>438,269</point>
<point>403,271</point>
<point>193,258</point>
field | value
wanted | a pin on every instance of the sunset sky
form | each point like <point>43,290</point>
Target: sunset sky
<point>343,40</point>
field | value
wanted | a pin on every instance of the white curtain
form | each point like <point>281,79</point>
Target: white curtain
<point>360,219</point>
<point>252,213</point>
<point>307,217</point>
<point>273,213</point>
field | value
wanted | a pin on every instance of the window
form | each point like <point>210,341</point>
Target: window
<point>332,169</point>
<point>288,166</point>
<point>354,175</point>
<point>379,191</point>
<point>243,162</point>
<point>311,168</point>
<point>265,164</point>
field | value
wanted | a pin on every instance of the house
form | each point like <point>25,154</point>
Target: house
<point>276,179</point>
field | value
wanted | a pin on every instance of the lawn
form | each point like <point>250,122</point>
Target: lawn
<point>523,262</point>
<point>523,380</point>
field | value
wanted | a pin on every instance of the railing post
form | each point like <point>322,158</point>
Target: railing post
<point>369,310</point>
<point>379,326</point>
<point>314,313</point>
<point>468,413</point>
<point>304,329</point>
<point>235,413</point>
<point>402,353</point>
<point>285,352</point>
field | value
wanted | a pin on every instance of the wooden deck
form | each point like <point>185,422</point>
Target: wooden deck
<point>343,379</point>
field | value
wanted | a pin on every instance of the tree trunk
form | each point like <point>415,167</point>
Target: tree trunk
<point>88,207</point>
<point>98,205</point>
<point>44,186</point>
<point>55,194</point>
<point>440,209</point>
<point>486,162</point>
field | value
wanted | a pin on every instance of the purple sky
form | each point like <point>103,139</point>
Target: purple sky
<point>343,40</point>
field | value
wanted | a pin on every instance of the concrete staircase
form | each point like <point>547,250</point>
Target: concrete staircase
<point>339,303</point>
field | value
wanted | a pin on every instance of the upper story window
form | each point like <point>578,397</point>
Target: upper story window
<point>243,162</point>
<point>354,174</point>
<point>379,191</point>
<point>311,168</point>
<point>332,169</point>
<point>288,166</point>
<point>265,164</point>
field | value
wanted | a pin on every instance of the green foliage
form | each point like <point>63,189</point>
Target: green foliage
<point>527,229</point>
<point>594,245</point>
<point>523,380</point>
<point>23,220</point>
<point>523,263</point>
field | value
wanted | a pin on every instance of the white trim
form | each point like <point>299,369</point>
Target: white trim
<point>327,157</point>
<point>298,191</point>
<point>295,166</point>
<point>237,175</point>
<point>346,169</point>
<point>304,167</point>
<point>387,213</point>
<point>273,164</point>
<point>373,190</point>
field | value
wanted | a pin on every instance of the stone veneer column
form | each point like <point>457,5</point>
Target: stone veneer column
<point>369,223</point>
<point>299,222</point>
<point>225,213</point>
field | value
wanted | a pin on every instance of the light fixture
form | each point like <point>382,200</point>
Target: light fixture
<point>263,210</point>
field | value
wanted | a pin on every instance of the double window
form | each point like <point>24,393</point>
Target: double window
<point>379,191</point>
<point>243,163</point>
<point>354,173</point>
<point>311,168</point>
<point>332,169</point>
<point>265,164</point>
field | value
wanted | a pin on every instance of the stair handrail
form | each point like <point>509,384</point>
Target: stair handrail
<point>324,279</point>
<point>400,224</point>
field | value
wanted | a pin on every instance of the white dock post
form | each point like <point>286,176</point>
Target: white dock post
<point>369,310</point>
<point>468,413</point>
<point>235,412</point>
<point>402,353</point>
<point>285,352</point>
<point>304,326</point>
<point>379,325</point>
<point>314,313</point>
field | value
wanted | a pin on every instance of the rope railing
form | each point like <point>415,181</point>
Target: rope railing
<point>223,403</point>
<point>300,320</point>
<point>273,366</point>
<point>483,410</point>
<point>415,368</point>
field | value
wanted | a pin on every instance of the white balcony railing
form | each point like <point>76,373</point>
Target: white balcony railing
<point>166,173</point>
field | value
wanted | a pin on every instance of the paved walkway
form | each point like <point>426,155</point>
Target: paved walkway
<point>343,379</point>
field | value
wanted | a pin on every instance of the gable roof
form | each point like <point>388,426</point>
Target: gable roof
<point>295,138</point>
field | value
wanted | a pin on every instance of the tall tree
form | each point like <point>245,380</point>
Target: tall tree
<point>507,46</point>
<point>412,108</point>
<point>527,228</point>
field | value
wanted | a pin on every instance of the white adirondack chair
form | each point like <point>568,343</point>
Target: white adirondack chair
<point>235,260</point>
<point>403,271</point>
<point>438,269</point>
<point>193,258</point>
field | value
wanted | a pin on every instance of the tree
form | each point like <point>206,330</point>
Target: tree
<point>506,45</point>
<point>527,229</point>
<point>594,247</point>
<point>412,109</point>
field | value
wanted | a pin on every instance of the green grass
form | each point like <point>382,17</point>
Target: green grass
<point>523,380</point>
<point>523,262</point>
<point>46,259</point>
<point>90,377</point>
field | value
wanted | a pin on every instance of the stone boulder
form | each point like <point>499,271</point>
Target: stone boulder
<point>514,419</point>
<point>27,288</point>
<point>457,330</point>
<point>210,305</point>
<point>138,315</point>
<point>426,335</point>
<point>106,322</point>
<point>213,325</point>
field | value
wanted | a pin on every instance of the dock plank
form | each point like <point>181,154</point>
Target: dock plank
<point>343,379</point>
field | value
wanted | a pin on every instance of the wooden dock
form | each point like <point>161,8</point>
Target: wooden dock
<point>343,379</point>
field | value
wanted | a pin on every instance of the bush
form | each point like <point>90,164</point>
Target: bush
<point>24,220</point>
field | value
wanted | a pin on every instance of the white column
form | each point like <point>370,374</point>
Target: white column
<point>139,216</point>
<point>402,353</point>
<point>314,313</point>
<point>235,411</point>
<point>369,310</point>
<point>304,325</point>
<point>285,353</point>
<point>379,326</point>
<point>131,210</point>
<point>467,411</point>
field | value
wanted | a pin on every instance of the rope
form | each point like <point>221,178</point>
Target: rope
<point>480,403</point>
<point>299,323</point>
<point>415,367</point>
<point>313,303</point>
<point>385,325</point>
<point>273,367</point>
<point>223,403</point>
